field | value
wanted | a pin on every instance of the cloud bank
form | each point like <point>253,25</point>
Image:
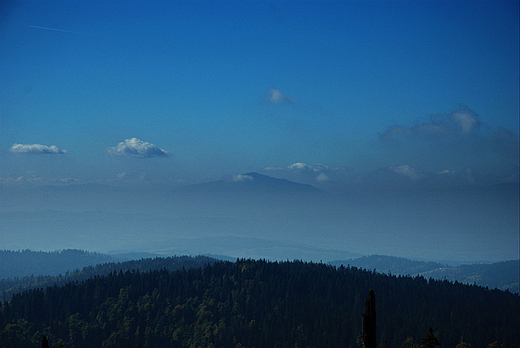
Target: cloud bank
<point>450,141</point>
<point>463,122</point>
<point>134,147</point>
<point>36,149</point>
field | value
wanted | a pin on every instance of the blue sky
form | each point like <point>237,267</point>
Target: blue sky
<point>180,92</point>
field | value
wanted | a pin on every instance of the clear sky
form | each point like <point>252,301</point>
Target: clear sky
<point>181,92</point>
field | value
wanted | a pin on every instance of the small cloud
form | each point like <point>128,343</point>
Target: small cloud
<point>407,171</point>
<point>241,177</point>
<point>322,178</point>
<point>124,176</point>
<point>36,149</point>
<point>465,119</point>
<point>298,166</point>
<point>275,96</point>
<point>134,147</point>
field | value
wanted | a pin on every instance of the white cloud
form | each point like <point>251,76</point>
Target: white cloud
<point>241,177</point>
<point>407,171</point>
<point>322,178</point>
<point>465,119</point>
<point>275,96</point>
<point>37,149</point>
<point>298,166</point>
<point>302,167</point>
<point>134,147</point>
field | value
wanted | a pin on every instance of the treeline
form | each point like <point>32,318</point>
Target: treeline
<point>9,287</point>
<point>256,304</point>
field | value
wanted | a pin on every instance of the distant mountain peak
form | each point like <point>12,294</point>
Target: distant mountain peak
<point>252,181</point>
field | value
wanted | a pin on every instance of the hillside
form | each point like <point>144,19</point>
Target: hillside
<point>256,303</point>
<point>8,287</point>
<point>501,275</point>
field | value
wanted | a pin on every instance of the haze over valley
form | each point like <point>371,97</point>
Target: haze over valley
<point>264,217</point>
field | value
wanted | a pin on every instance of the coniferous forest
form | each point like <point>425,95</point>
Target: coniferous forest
<point>9,286</point>
<point>251,303</point>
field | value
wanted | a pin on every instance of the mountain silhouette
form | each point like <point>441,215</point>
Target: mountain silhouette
<point>250,183</point>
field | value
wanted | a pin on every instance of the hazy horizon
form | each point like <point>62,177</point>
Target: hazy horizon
<point>404,114</point>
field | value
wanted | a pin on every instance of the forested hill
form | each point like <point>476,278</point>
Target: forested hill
<point>257,303</point>
<point>501,275</point>
<point>8,287</point>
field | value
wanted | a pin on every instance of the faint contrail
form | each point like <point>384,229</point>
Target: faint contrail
<point>54,29</point>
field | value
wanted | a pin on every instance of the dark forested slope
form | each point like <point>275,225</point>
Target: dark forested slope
<point>8,287</point>
<point>256,303</point>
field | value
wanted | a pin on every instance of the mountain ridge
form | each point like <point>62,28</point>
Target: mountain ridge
<point>501,275</point>
<point>250,182</point>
